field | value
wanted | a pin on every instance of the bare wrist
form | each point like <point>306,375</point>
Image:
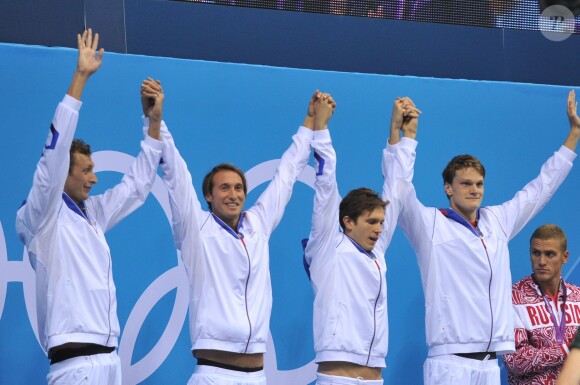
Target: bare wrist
<point>309,122</point>
<point>80,73</point>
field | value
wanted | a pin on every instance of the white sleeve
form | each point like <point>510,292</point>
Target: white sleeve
<point>517,212</point>
<point>185,206</point>
<point>45,196</point>
<point>415,219</point>
<point>325,221</point>
<point>127,196</point>
<point>271,204</point>
<point>398,168</point>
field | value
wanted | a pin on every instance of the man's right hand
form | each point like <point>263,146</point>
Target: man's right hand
<point>405,117</point>
<point>323,110</point>
<point>411,119</point>
<point>152,98</point>
<point>574,136</point>
<point>89,60</point>
<point>309,119</point>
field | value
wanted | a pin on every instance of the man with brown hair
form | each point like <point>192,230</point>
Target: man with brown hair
<point>64,230</point>
<point>347,268</point>
<point>463,256</point>
<point>547,312</point>
<point>226,255</point>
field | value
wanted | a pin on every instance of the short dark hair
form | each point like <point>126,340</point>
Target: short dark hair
<point>78,146</point>
<point>207,185</point>
<point>461,162</point>
<point>551,231</point>
<point>357,202</point>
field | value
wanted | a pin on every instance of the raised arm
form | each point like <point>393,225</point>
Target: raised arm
<point>398,163</point>
<point>404,117</point>
<point>186,210</point>
<point>121,200</point>
<point>309,119</point>
<point>272,202</point>
<point>326,197</point>
<point>152,98</point>
<point>52,170</point>
<point>324,108</point>
<point>89,62</point>
<point>526,203</point>
<point>572,140</point>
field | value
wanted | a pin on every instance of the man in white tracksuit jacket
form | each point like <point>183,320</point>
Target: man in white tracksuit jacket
<point>63,230</point>
<point>226,254</point>
<point>463,257</point>
<point>347,268</point>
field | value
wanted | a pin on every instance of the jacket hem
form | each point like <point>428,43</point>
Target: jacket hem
<point>99,339</point>
<point>498,347</point>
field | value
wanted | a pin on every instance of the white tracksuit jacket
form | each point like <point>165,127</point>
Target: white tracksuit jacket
<point>466,278</point>
<point>75,293</point>
<point>350,304</point>
<point>230,289</point>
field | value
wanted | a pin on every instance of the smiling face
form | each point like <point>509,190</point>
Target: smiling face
<point>81,178</point>
<point>227,197</point>
<point>366,228</point>
<point>547,257</point>
<point>466,192</point>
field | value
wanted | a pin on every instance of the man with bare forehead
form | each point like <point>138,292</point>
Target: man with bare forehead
<point>226,255</point>
<point>463,256</point>
<point>64,229</point>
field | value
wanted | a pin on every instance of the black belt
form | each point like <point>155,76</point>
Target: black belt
<point>203,361</point>
<point>89,350</point>
<point>480,356</point>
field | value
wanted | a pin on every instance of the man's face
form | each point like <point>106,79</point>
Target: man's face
<point>547,259</point>
<point>227,197</point>
<point>366,229</point>
<point>81,178</point>
<point>466,192</point>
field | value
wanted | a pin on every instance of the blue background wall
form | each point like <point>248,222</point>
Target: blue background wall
<point>196,30</point>
<point>246,114</point>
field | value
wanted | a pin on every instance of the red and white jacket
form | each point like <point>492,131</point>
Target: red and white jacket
<point>538,358</point>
